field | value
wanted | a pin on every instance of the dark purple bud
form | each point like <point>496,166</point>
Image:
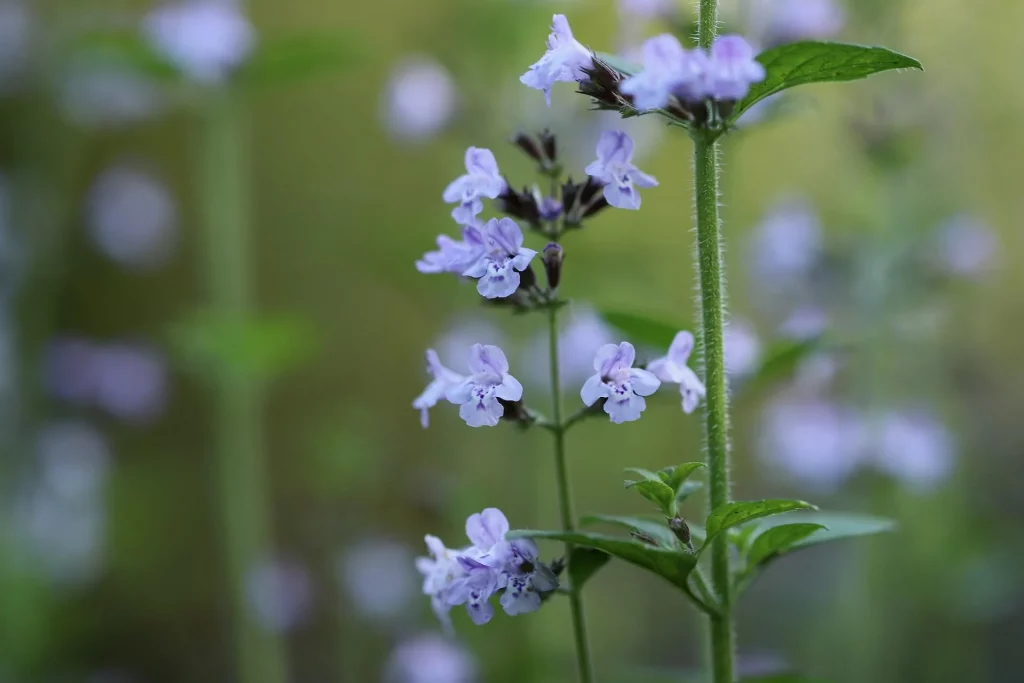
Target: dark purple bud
<point>552,257</point>
<point>547,141</point>
<point>602,86</point>
<point>527,279</point>
<point>531,146</point>
<point>521,205</point>
<point>516,411</point>
<point>550,209</point>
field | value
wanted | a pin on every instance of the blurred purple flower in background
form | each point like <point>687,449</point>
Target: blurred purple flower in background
<point>442,379</point>
<point>582,332</point>
<point>774,22</point>
<point>420,99</point>
<point>279,594</point>
<point>429,658</point>
<point>805,322</point>
<point>378,577</point>
<point>439,570</point>
<point>915,448</point>
<point>93,93</point>
<point>646,9</point>
<point>481,180</point>
<point>787,243</point>
<point>614,167</point>
<point>454,256</point>
<point>61,515</point>
<point>563,62</point>
<point>742,348</point>
<point>966,245</point>
<point>16,24</point>
<point>126,379</point>
<point>462,334</point>
<point>619,382</point>
<point>731,69</point>
<point>667,66</point>
<point>132,218</point>
<point>815,441</point>
<point>205,39</point>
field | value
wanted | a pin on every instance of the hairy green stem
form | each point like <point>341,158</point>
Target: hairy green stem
<point>237,432</point>
<point>579,624</point>
<point>716,406</point>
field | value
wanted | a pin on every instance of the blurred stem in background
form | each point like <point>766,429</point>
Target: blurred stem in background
<point>716,406</point>
<point>238,439</point>
<point>579,624</point>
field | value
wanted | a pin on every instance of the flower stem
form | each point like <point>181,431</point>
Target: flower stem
<point>579,624</point>
<point>716,406</point>
<point>237,434</point>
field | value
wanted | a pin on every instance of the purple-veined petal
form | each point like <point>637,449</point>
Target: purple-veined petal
<point>460,393</point>
<point>626,410</point>
<point>597,170</point>
<point>506,234</point>
<point>614,146</point>
<point>520,603</point>
<point>510,389</point>
<point>498,283</point>
<point>604,357</point>
<point>456,189</point>
<point>481,413</point>
<point>622,197</point>
<point>488,359</point>
<point>690,398</point>
<point>481,161</point>
<point>681,348</point>
<point>641,179</point>
<point>643,382</point>
<point>487,528</point>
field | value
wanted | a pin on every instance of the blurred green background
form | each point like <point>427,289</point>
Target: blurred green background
<point>213,330</point>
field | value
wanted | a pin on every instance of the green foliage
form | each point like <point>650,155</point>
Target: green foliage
<point>290,59</point>
<point>658,492</point>
<point>672,565</point>
<point>667,487</point>
<point>780,362</point>
<point>258,349</point>
<point>778,540</point>
<point>818,62</point>
<point>642,329</point>
<point>676,475</point>
<point>741,512</point>
<point>127,50</point>
<point>584,563</point>
<point>650,527</point>
<point>837,526</point>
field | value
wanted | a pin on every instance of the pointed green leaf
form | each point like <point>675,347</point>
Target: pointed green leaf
<point>620,64</point>
<point>838,526</point>
<point>805,62</point>
<point>659,493</point>
<point>740,512</point>
<point>644,330</point>
<point>778,540</point>
<point>645,475</point>
<point>653,528</point>
<point>672,565</point>
<point>678,474</point>
<point>584,563</point>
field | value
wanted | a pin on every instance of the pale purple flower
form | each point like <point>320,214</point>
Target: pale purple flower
<point>75,459</point>
<point>614,167</point>
<point>205,39</point>
<point>497,270</point>
<point>477,395</point>
<point>420,99</point>
<point>442,380</point>
<point>69,370</point>
<point>279,594</point>
<point>131,381</point>
<point>646,9</point>
<point>668,70</point>
<point>16,28</point>
<point>731,69</point>
<point>818,442</point>
<point>967,246</point>
<point>672,369</point>
<point>776,22</point>
<point>65,537</point>
<point>805,322</point>
<point>440,569</point>
<point>742,348</point>
<point>619,382</point>
<point>481,180</point>
<point>378,577</point>
<point>914,447</point>
<point>581,334</point>
<point>430,658</point>
<point>132,218</point>
<point>474,590</point>
<point>788,241</point>
<point>454,256</point>
<point>563,62</point>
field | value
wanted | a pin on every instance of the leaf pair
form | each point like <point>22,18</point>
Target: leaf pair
<point>666,488</point>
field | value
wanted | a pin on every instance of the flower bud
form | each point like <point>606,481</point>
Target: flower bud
<point>547,141</point>
<point>552,257</point>
<point>550,209</point>
<point>542,148</point>
<point>521,205</point>
<point>682,531</point>
<point>530,146</point>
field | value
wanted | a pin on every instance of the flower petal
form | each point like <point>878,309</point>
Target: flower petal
<point>643,382</point>
<point>682,346</point>
<point>594,389</point>
<point>510,389</point>
<point>460,393</point>
<point>485,413</point>
<point>614,146</point>
<point>626,410</point>
<point>488,359</point>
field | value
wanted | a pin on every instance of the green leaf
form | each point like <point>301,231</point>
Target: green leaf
<point>584,563</point>
<point>127,50</point>
<point>778,540</point>
<point>672,565</point>
<point>805,62</point>
<point>645,475</point>
<point>653,528</point>
<point>620,64</point>
<point>780,363</point>
<point>659,493</point>
<point>641,329</point>
<point>293,58</point>
<point>740,512</point>
<point>678,474</point>
<point>687,489</point>
<point>838,526</point>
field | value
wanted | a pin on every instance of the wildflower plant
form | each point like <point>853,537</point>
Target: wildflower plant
<point>703,91</point>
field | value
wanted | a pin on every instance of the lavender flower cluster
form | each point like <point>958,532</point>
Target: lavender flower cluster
<point>489,565</point>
